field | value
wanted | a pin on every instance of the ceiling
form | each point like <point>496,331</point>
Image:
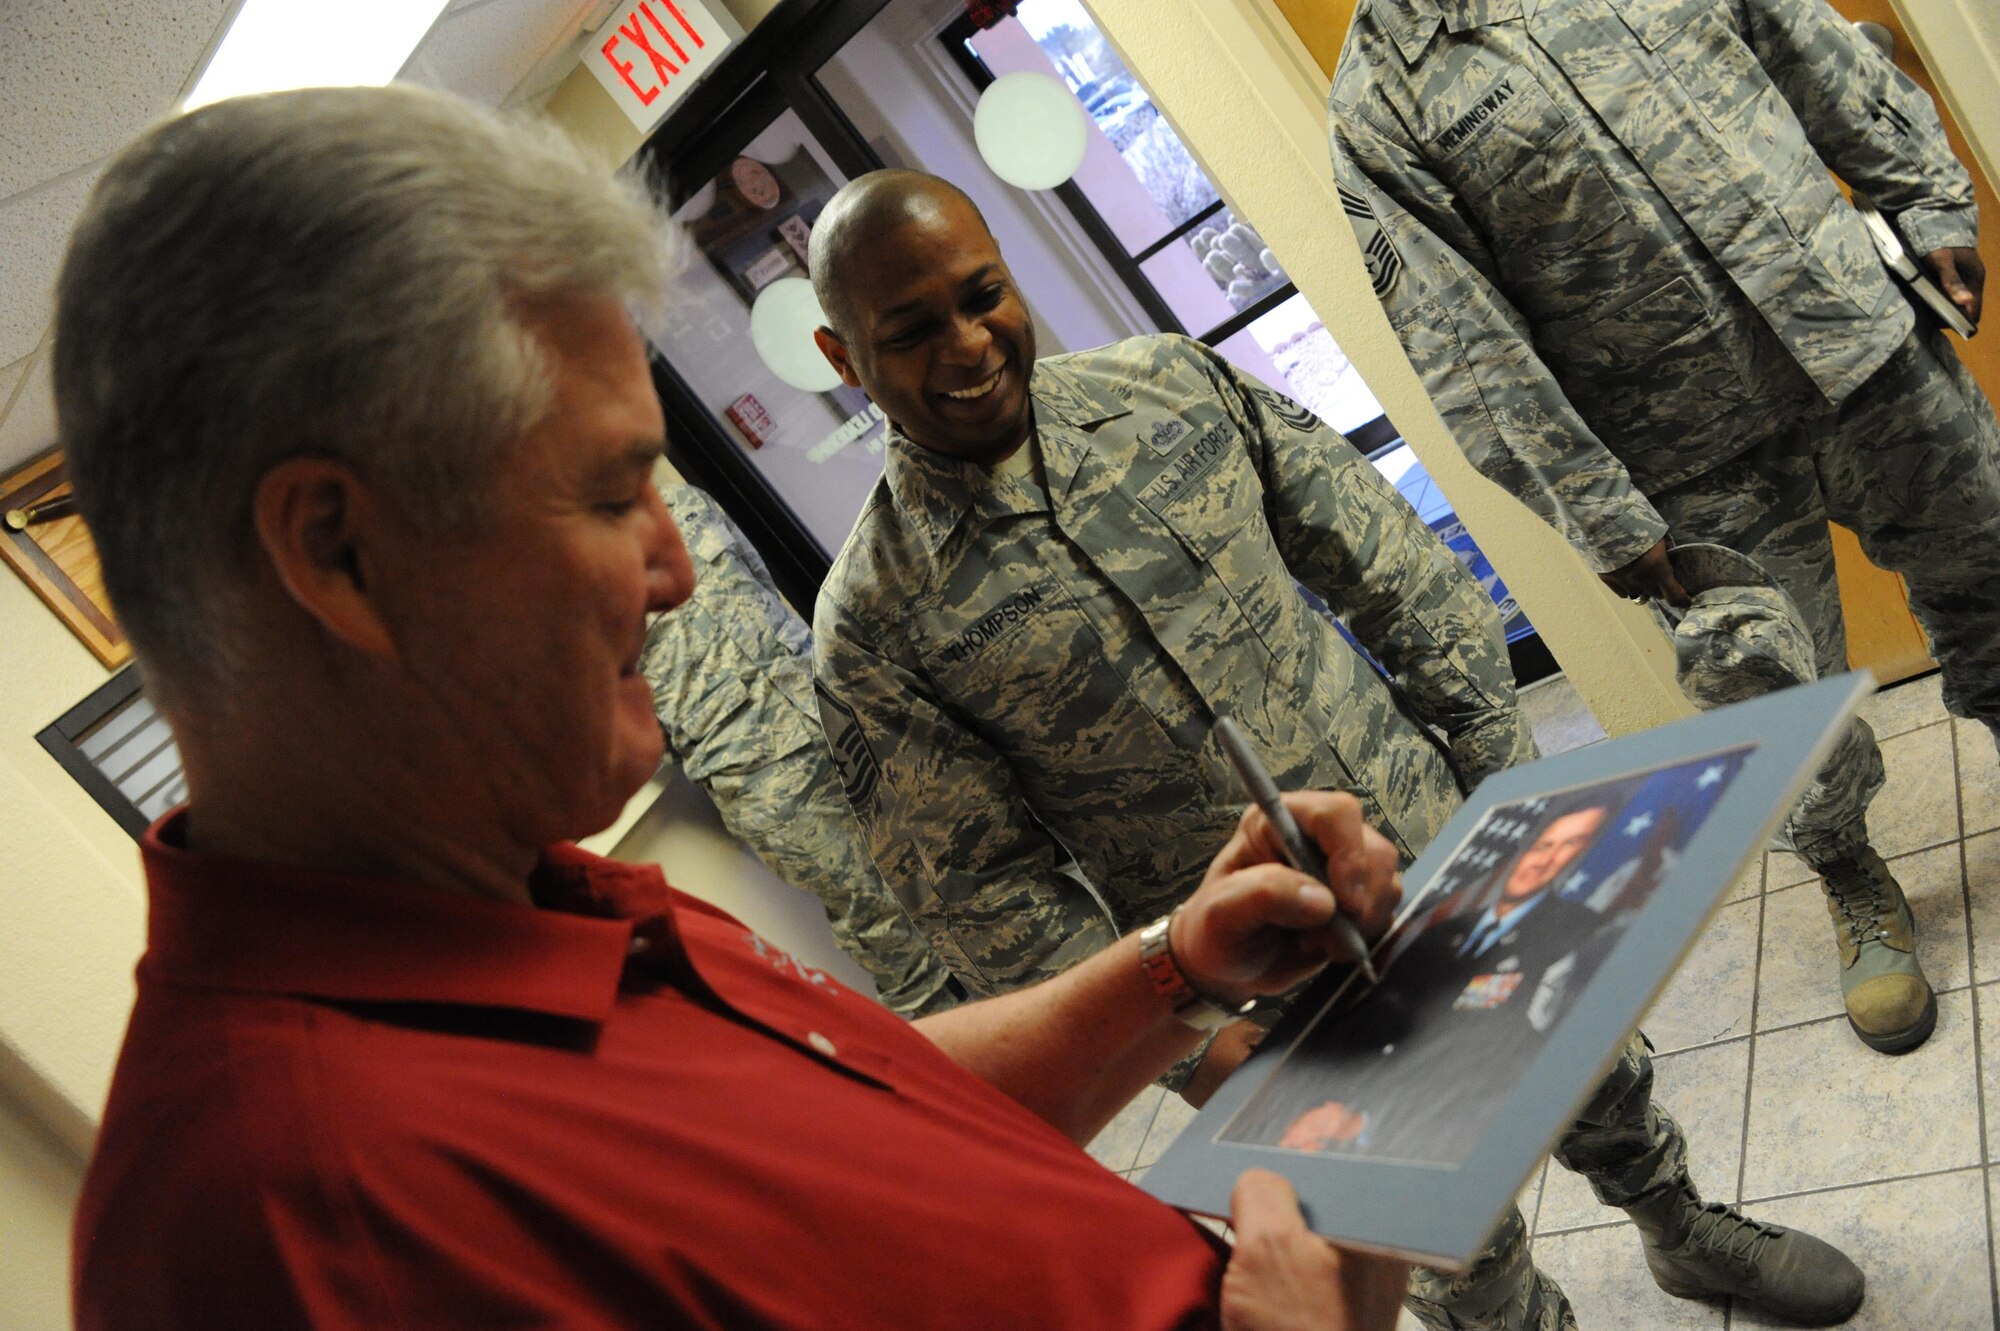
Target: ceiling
<point>80,78</point>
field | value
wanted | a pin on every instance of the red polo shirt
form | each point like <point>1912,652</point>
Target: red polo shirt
<point>346,1102</point>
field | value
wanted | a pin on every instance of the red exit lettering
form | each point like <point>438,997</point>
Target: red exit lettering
<point>662,69</point>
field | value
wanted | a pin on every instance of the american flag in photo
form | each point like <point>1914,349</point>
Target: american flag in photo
<point>1647,832</point>
<point>1495,842</point>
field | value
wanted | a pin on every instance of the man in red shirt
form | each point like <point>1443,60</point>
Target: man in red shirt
<point>366,438</point>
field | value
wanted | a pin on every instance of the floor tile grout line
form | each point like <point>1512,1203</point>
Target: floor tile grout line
<point>1978,1045</point>
<point>1985,1155</point>
<point>1911,683</point>
<point>1138,1151</point>
<point>1750,1057</point>
<point>1835,1016</point>
<point>1944,1172</point>
<point>1992,1273</point>
<point>1901,854</point>
<point>1659,1054</point>
<point>1803,1022</point>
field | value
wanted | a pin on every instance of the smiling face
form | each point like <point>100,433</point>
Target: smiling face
<point>935,331</point>
<point>1559,844</point>
<point>525,634</point>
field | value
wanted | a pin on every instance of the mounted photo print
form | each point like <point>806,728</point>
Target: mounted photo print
<point>1535,931</point>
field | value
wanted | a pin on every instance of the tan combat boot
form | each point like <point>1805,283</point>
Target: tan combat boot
<point>1889,1002</point>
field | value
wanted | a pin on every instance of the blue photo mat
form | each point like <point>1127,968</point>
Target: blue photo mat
<point>1426,1173</point>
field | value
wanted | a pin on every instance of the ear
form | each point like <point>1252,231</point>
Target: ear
<point>835,351</point>
<point>318,524</point>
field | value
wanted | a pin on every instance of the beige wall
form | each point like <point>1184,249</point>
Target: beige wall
<point>38,1184</point>
<point>1959,41</point>
<point>75,912</point>
<point>1247,98</point>
<point>75,920</point>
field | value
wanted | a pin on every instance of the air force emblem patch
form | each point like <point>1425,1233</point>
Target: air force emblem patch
<point>1377,250</point>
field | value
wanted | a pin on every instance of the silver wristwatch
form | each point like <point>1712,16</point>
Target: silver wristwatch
<point>1190,1005</point>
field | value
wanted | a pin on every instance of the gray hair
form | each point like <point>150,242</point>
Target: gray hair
<point>334,272</point>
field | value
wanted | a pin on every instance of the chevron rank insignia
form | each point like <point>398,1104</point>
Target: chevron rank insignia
<point>1377,250</point>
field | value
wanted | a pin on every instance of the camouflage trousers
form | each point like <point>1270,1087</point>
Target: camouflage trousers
<point>1625,1145</point>
<point>793,814</point>
<point>1910,462</point>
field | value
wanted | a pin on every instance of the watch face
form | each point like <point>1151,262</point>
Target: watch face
<point>752,177</point>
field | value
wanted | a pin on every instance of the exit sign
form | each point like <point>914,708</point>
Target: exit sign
<point>648,54</point>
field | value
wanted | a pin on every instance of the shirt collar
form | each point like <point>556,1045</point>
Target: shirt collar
<point>933,491</point>
<point>1411,23</point>
<point>258,927</point>
<point>1488,922</point>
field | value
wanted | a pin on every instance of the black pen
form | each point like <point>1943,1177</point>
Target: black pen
<point>1300,852</point>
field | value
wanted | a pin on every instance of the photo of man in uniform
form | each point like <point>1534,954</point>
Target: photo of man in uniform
<point>1490,957</point>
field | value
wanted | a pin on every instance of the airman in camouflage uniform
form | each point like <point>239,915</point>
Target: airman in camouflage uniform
<point>732,686</point>
<point>1021,667</point>
<point>1052,593</point>
<point>1607,237</point>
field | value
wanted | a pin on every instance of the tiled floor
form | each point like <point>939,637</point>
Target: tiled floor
<point>1897,1160</point>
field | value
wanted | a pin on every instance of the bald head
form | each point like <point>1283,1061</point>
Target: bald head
<point>923,314</point>
<point>863,215</point>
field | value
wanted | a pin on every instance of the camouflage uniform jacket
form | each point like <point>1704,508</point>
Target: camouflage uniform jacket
<point>1605,231</point>
<point>731,676</point>
<point>1016,671</point>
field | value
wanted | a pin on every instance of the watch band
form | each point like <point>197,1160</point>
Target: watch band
<point>1190,1005</point>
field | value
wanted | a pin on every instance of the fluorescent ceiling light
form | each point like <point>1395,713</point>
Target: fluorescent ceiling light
<point>277,44</point>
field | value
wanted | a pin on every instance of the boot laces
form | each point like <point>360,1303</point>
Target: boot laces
<point>1723,1230</point>
<point>1862,902</point>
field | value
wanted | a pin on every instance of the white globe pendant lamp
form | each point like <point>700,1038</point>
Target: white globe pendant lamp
<point>1030,129</point>
<point>782,320</point>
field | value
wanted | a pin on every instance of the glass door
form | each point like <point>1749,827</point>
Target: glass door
<point>746,225</point>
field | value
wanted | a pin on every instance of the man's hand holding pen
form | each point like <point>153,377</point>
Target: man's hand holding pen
<point>1258,926</point>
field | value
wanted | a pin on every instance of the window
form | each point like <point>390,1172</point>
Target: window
<point>1161,224</point>
<point>1196,266</point>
